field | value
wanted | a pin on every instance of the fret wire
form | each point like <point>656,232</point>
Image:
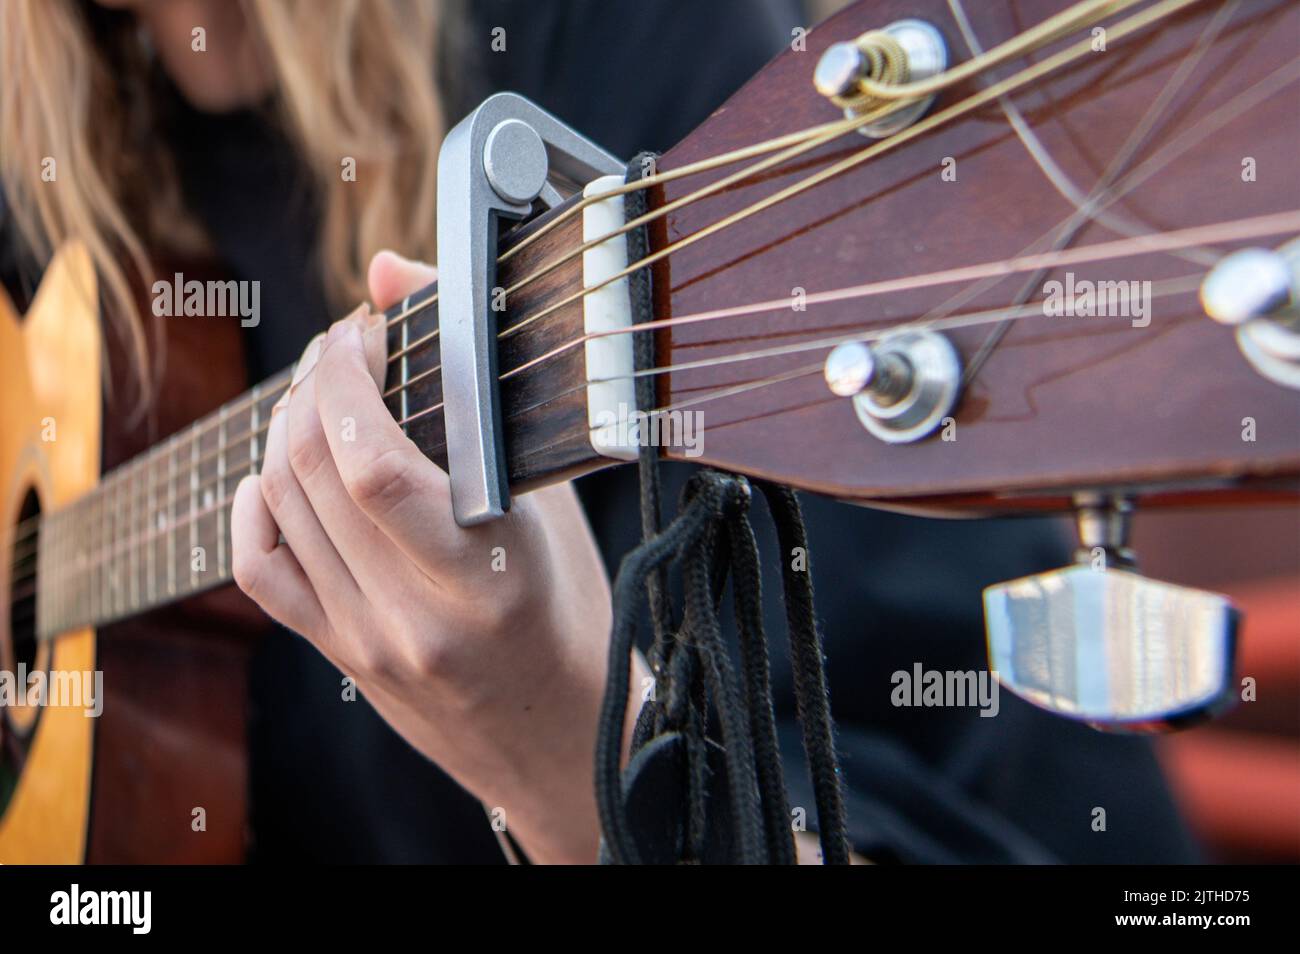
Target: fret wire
<point>110,533</point>
<point>105,555</point>
<point>49,602</point>
<point>45,532</point>
<point>110,568</point>
<point>121,588</point>
<point>205,425</point>
<point>44,607</point>
<point>133,556</point>
<point>78,590</point>
<point>110,539</point>
<point>151,556</point>
<point>407,314</point>
<point>221,491</point>
<point>98,581</point>
<point>105,607</point>
<point>406,355</point>
<point>92,602</point>
<point>123,560</point>
<point>107,576</point>
<point>46,535</point>
<point>87,543</point>
<point>254,424</point>
<point>194,506</point>
<point>116,529</point>
<point>56,596</point>
<point>171,520</point>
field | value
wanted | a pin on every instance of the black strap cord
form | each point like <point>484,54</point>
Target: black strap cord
<point>808,662</point>
<point>711,540</point>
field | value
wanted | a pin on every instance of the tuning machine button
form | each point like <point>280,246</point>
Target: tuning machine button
<point>1257,291</point>
<point>1099,642</point>
<point>905,51</point>
<point>902,387</point>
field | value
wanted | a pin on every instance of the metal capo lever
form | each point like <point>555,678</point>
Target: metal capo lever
<point>496,163</point>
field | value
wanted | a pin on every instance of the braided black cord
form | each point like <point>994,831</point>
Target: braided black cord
<point>748,597</point>
<point>680,535</point>
<point>812,702</point>
<point>701,621</point>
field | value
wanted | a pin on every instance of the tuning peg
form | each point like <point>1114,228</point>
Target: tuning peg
<point>902,387</point>
<point>1257,292</point>
<point>1099,642</point>
<point>904,51</point>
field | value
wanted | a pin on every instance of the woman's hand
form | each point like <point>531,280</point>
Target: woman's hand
<point>485,647</point>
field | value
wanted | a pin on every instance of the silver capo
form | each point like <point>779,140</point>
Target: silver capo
<point>497,163</point>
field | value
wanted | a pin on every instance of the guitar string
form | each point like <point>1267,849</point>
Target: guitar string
<point>974,66</point>
<point>407,314</point>
<point>1088,12</point>
<point>1185,238</point>
<point>823,132</point>
<point>1146,244</point>
<point>403,316</point>
<point>1159,242</point>
<point>1148,17</point>
<point>1086,207</point>
<point>1160,289</point>
<point>1240,103</point>
<point>1080,16</point>
<point>136,540</point>
<point>1166,287</point>
<point>1137,22</point>
<point>1078,255</point>
<point>992,316</point>
<point>817,135</point>
<point>1144,171</point>
<point>1208,124</point>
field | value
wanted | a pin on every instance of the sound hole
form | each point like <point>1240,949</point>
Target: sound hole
<point>19,652</point>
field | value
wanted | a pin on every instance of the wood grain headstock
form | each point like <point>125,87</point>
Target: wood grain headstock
<point>1162,404</point>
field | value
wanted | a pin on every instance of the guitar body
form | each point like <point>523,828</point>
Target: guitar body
<point>167,755</point>
<point>49,376</point>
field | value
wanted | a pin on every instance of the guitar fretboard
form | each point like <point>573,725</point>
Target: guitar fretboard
<point>157,528</point>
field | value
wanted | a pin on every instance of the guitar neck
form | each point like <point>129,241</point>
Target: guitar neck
<point>157,528</point>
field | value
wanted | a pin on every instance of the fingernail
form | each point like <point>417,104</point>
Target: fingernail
<point>308,360</point>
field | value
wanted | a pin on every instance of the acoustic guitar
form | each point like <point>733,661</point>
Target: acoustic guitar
<point>949,257</point>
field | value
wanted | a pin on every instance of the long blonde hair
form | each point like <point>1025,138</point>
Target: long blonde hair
<point>354,81</point>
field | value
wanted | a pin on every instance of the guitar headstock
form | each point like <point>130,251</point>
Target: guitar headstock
<point>1178,138</point>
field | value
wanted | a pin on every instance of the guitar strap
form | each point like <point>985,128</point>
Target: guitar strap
<point>694,793</point>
